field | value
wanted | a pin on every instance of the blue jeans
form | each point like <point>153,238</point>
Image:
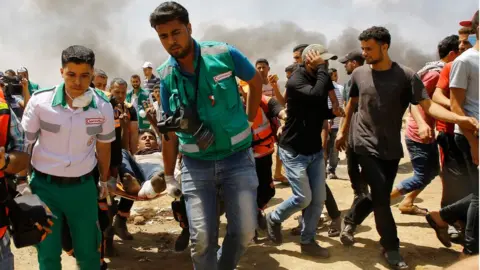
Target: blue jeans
<point>306,175</point>
<point>425,163</point>
<point>237,178</point>
<point>6,256</point>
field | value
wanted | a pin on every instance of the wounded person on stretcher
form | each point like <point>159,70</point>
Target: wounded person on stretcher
<point>142,175</point>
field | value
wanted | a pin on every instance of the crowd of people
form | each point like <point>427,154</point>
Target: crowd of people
<point>205,130</point>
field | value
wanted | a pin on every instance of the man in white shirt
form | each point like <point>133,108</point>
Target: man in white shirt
<point>72,126</point>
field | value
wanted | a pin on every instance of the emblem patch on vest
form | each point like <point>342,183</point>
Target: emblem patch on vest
<point>222,76</point>
<point>94,121</point>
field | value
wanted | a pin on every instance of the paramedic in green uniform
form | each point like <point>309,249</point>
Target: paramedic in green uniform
<point>201,75</point>
<point>74,126</point>
<point>136,97</point>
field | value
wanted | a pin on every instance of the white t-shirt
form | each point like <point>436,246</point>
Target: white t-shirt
<point>464,75</point>
<point>267,90</point>
<point>338,92</point>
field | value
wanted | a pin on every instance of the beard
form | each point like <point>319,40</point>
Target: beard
<point>183,53</point>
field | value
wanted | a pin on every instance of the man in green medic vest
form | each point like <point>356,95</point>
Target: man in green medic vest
<point>199,94</point>
<point>136,97</point>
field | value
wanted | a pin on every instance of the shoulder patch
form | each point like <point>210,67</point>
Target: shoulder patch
<point>102,95</point>
<point>43,90</point>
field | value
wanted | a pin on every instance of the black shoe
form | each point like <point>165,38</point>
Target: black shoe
<point>315,250</point>
<point>262,221</point>
<point>274,230</point>
<point>104,266</point>
<point>347,237</point>
<point>120,228</point>
<point>395,260</point>
<point>183,240</point>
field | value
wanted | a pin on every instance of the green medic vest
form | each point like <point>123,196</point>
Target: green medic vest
<point>143,122</point>
<point>225,117</point>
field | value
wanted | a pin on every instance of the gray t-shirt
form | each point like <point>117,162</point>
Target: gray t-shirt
<point>383,98</point>
<point>464,75</point>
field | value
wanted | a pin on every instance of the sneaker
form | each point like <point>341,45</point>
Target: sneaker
<point>335,227</point>
<point>274,230</point>
<point>332,176</point>
<point>395,260</point>
<point>347,237</point>
<point>315,250</point>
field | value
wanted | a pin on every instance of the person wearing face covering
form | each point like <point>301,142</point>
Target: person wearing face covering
<point>71,126</point>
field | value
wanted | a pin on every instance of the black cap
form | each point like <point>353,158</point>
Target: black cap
<point>262,60</point>
<point>355,55</point>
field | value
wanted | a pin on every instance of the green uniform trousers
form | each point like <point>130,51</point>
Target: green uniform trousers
<point>79,205</point>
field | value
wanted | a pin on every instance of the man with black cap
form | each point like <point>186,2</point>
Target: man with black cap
<point>300,147</point>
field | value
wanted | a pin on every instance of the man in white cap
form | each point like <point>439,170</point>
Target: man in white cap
<point>150,78</point>
<point>300,147</point>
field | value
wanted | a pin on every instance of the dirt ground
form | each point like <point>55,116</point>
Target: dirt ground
<point>152,247</point>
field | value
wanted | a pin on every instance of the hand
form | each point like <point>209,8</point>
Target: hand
<point>341,142</point>
<point>280,130</point>
<point>338,111</point>
<point>313,59</point>
<point>474,151</point>
<point>272,80</point>
<point>425,133</point>
<point>25,84</point>
<point>151,113</point>
<point>122,114</point>
<point>2,157</point>
<point>102,190</point>
<point>173,187</point>
<point>468,123</point>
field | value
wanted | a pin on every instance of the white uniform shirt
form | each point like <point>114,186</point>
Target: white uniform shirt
<point>66,137</point>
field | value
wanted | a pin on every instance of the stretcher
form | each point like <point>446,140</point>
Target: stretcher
<point>116,189</point>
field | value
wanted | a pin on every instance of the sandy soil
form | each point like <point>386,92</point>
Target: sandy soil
<point>153,244</point>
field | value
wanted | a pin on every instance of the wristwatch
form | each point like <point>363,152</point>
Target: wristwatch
<point>7,161</point>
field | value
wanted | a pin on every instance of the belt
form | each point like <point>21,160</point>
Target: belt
<point>63,180</point>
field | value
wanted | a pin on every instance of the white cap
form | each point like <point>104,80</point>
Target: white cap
<point>147,65</point>
<point>321,50</point>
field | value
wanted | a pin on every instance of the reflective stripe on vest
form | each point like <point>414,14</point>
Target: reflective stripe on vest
<point>193,148</point>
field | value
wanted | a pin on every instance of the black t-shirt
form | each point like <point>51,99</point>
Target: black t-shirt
<point>307,108</point>
<point>116,152</point>
<point>383,98</point>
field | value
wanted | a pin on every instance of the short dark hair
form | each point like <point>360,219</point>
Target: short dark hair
<point>100,73</point>
<point>79,55</point>
<point>149,131</point>
<point>118,81</point>
<point>466,31</point>
<point>378,33</point>
<point>262,60</point>
<point>300,47</point>
<point>157,85</point>
<point>10,71</point>
<point>169,11</point>
<point>291,68</point>
<point>448,45</point>
<point>331,71</point>
<point>135,76</point>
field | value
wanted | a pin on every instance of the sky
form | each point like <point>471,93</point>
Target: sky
<point>120,34</point>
